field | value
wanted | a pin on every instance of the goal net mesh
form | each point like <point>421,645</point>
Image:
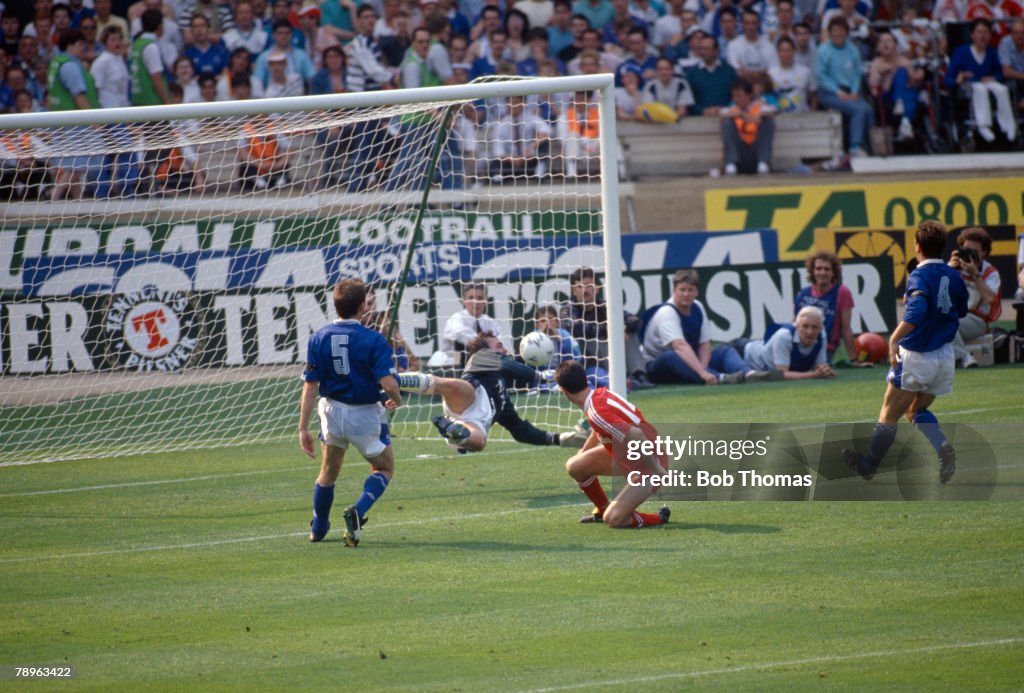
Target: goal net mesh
<point>160,280</point>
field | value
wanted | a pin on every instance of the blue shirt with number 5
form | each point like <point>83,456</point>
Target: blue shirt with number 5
<point>936,299</point>
<point>348,360</point>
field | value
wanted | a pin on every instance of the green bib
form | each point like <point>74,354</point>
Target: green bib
<point>60,98</point>
<point>143,91</point>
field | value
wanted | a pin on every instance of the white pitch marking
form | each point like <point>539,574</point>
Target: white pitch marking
<point>266,537</point>
<point>155,482</point>
<point>775,665</point>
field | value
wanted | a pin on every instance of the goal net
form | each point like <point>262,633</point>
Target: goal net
<point>164,267</point>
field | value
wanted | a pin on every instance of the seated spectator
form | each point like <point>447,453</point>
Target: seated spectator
<point>578,26</point>
<point>206,54</point>
<point>522,142</point>
<point>711,19</point>
<point>315,38</point>
<point>639,56</point>
<point>42,30</point>
<point>239,65</point>
<point>893,79</point>
<point>994,10</point>
<point>185,77</point>
<point>14,81</point>
<point>677,341</point>
<point>330,79</point>
<point>794,83</point>
<point>751,54</point>
<point>977,65</point>
<point>711,80</point>
<point>984,290</point>
<point>395,45</point>
<point>796,351</point>
<point>785,22</point>
<point>264,158</point>
<point>599,13</point>
<point>248,32</point>
<point>488,63</point>
<point>827,293</point>
<point>298,62</point>
<point>218,17</point>
<point>93,47</point>
<point>281,82</point>
<point>806,48</point>
<point>545,320</point>
<point>207,87</point>
<point>578,134</point>
<point>177,168</point>
<point>517,28</point>
<point>858,25</point>
<point>748,132</point>
<point>487,23</point>
<point>668,89</point>
<point>606,61</point>
<point>106,18</point>
<point>838,73</point>
<point>560,28</point>
<point>628,97</point>
<point>469,322</point>
<point>240,87</point>
<point>585,317</point>
<point>728,26</point>
<point>680,48</point>
<point>647,11</point>
<point>667,29</point>
<point>538,52</point>
<point>1011,59</point>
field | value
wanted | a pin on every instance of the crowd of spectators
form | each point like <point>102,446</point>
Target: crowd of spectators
<point>742,61</point>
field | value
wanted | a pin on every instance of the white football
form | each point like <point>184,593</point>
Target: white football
<point>536,349</point>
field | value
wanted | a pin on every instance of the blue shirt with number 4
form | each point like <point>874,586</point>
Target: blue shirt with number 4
<point>348,360</point>
<point>936,299</point>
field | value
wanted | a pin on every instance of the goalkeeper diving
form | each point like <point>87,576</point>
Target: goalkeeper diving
<point>481,398</point>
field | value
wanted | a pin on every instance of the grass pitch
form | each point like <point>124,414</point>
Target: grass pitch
<point>192,570</point>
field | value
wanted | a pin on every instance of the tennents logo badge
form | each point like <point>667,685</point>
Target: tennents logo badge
<point>152,330</point>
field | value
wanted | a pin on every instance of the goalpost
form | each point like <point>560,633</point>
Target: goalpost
<point>163,267</point>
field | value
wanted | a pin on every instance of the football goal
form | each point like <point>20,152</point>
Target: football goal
<point>163,267</point>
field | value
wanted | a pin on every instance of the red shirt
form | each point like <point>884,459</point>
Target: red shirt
<point>611,417</point>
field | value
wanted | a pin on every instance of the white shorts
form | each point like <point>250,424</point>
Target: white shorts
<point>363,425</point>
<point>930,372</point>
<point>480,413</point>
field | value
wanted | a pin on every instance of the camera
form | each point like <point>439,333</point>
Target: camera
<point>968,255</point>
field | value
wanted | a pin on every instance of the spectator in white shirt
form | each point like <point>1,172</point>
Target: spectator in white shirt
<point>751,54</point>
<point>248,32</point>
<point>470,321</point>
<point>110,70</point>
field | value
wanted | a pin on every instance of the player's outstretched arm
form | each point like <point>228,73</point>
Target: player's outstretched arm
<point>306,406</point>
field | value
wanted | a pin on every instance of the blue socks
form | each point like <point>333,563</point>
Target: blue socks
<point>323,499</point>
<point>929,427</point>
<point>882,439</point>
<point>373,488</point>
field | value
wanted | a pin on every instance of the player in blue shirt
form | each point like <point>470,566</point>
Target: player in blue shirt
<point>481,397</point>
<point>921,355</point>
<point>348,364</point>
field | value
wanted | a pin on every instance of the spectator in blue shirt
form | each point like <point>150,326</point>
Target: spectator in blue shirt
<point>977,65</point>
<point>297,59</point>
<point>207,56</point>
<point>838,70</point>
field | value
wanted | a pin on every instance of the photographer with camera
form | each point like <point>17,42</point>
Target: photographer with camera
<point>983,288</point>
